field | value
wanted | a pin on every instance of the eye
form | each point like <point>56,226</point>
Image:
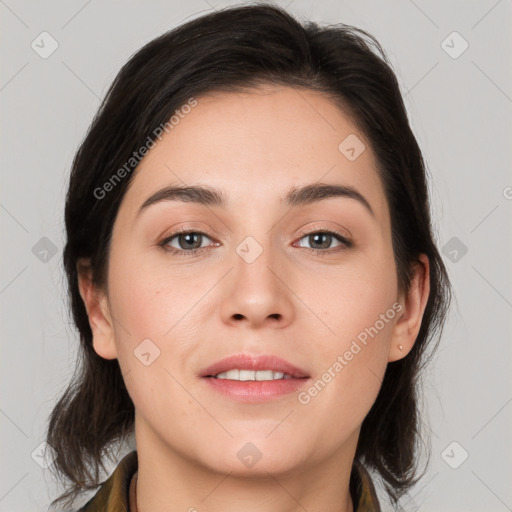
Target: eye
<point>189,242</point>
<point>320,241</point>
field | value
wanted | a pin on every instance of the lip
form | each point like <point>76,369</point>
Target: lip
<point>254,391</point>
<point>254,362</point>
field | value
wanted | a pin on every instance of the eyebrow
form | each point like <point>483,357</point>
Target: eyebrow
<point>298,196</point>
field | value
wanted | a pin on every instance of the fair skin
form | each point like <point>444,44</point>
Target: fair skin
<point>302,305</point>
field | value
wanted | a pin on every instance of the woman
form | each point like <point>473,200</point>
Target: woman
<point>253,274</point>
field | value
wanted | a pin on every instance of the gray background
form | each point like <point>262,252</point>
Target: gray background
<point>460,110</point>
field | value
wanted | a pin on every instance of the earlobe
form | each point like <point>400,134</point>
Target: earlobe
<point>98,311</point>
<point>408,325</point>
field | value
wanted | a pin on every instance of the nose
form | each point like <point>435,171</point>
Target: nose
<point>257,291</point>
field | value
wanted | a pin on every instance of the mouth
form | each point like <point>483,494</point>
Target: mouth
<point>246,367</point>
<point>253,375</point>
<point>251,378</point>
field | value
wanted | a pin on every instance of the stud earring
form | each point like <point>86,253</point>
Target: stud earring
<point>400,347</point>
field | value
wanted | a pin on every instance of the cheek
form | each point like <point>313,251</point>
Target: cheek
<point>352,298</point>
<point>155,335</point>
<point>352,340</point>
<point>158,319</point>
<point>148,295</point>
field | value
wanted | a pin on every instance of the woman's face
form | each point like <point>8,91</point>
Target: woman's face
<point>269,279</point>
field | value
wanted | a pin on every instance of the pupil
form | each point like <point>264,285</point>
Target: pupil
<point>317,236</point>
<point>189,236</point>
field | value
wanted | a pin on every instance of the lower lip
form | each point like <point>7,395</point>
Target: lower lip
<point>255,391</point>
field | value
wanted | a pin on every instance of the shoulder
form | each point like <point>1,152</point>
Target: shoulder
<point>363,490</point>
<point>113,495</point>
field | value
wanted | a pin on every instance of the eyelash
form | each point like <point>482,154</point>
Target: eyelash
<point>318,252</point>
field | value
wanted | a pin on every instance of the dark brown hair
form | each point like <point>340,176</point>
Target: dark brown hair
<point>228,50</point>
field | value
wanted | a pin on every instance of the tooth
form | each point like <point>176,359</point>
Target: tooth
<point>252,375</point>
<point>264,375</point>
<point>233,374</point>
<point>247,374</point>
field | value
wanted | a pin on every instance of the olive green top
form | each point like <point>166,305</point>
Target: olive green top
<point>117,493</point>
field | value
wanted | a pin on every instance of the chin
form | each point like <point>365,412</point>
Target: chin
<point>258,458</point>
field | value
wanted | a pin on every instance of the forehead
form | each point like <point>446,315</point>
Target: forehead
<point>256,145</point>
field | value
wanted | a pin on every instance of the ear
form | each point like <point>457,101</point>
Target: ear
<point>408,325</point>
<point>98,311</point>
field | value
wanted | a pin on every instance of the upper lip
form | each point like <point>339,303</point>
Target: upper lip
<point>253,362</point>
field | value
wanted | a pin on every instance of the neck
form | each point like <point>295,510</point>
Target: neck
<point>169,481</point>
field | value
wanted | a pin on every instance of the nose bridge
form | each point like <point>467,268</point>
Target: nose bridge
<point>256,290</point>
<point>256,249</point>
<point>255,259</point>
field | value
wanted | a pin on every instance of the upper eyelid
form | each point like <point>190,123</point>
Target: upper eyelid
<point>339,236</point>
<point>183,232</point>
